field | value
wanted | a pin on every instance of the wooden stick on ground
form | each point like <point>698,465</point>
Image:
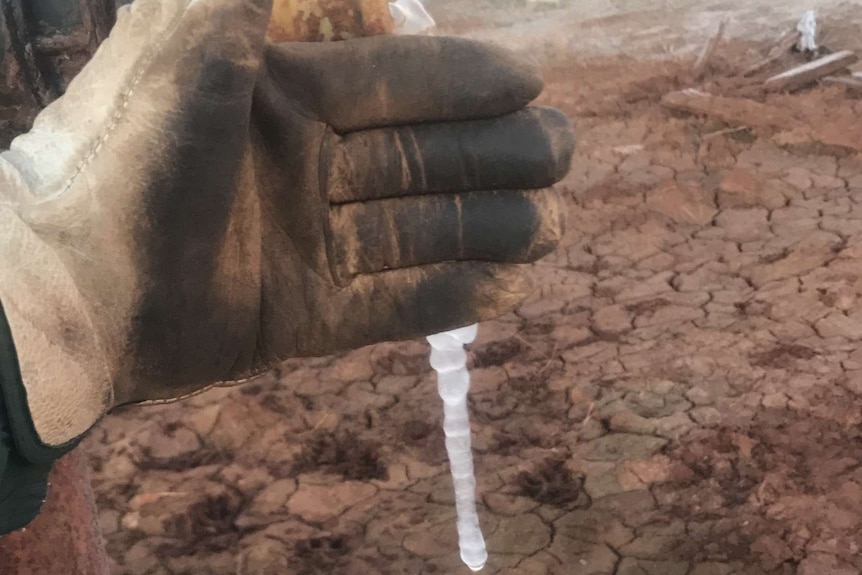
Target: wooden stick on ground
<point>853,83</point>
<point>739,112</point>
<point>782,47</point>
<point>809,73</point>
<point>709,50</point>
<point>732,111</point>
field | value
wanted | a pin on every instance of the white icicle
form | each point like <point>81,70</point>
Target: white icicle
<point>449,360</point>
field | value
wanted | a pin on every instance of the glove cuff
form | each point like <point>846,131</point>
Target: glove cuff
<point>23,480</point>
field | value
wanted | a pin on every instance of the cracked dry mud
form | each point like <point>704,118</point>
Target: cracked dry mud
<point>681,397</point>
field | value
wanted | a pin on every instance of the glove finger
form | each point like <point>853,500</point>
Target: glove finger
<point>530,149</point>
<point>389,81</point>
<point>504,227</point>
<point>404,304</point>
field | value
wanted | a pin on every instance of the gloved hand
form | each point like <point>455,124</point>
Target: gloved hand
<point>200,206</point>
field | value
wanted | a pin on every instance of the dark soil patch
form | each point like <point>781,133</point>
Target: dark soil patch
<point>208,525</point>
<point>782,355</point>
<point>496,352</point>
<point>318,555</point>
<point>768,490</point>
<point>341,454</point>
<point>647,306</point>
<point>552,483</point>
<point>204,456</point>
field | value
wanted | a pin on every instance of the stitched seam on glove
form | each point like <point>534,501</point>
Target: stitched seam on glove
<point>139,72</point>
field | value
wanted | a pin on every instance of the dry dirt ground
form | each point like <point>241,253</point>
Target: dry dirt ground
<point>681,397</point>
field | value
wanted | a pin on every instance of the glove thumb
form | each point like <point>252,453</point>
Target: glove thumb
<point>157,52</point>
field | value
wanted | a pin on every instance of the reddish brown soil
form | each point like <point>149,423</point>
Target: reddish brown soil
<point>680,397</point>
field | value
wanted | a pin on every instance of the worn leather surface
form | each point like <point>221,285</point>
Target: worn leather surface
<point>199,206</point>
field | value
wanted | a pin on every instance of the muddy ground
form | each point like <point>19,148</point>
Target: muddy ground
<point>681,396</point>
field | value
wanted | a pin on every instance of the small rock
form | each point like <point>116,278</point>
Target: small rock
<point>651,288</point>
<point>626,504</point>
<point>699,396</point>
<point>487,379</point>
<point>628,421</point>
<point>794,265</point>
<point>744,225</point>
<point>739,188</point>
<point>662,386</point>
<point>120,468</point>
<point>363,393</point>
<point>590,429</point>
<point>838,324</point>
<point>248,481</point>
<point>209,562</point>
<point>318,503</point>
<point>354,366</point>
<point>685,203</point>
<point>612,320</point>
<point>269,503</point>
<point>522,535</point>
<point>647,403</point>
<point>669,315</point>
<point>706,416</point>
<point>538,564</point>
<point>417,469</point>
<point>591,558</point>
<point>509,505</point>
<point>775,400</point>
<point>202,420</point>
<point>194,508</point>
<point>799,178</point>
<point>673,426</point>
<point>656,544</point>
<point>131,521</point>
<point>716,569</point>
<point>320,386</point>
<point>827,182</point>
<point>233,428</point>
<point>397,478</point>
<point>656,469</point>
<point>435,541</point>
<point>443,494</point>
<point>167,446</point>
<point>396,384</point>
<point>109,521</point>
<point>265,557</point>
<point>621,446</point>
<point>144,556</point>
<point>542,307</point>
<point>629,566</point>
<point>592,526</point>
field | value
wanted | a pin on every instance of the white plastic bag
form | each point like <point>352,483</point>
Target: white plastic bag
<point>411,18</point>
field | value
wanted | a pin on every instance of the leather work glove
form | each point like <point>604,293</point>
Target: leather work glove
<point>200,206</point>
